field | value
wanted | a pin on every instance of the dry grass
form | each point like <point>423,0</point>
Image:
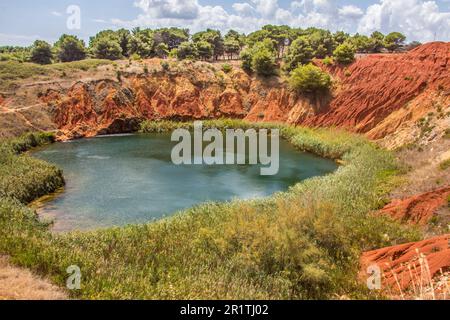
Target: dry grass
<point>21,284</point>
<point>423,286</point>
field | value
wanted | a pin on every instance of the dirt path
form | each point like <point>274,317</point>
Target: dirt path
<point>21,284</point>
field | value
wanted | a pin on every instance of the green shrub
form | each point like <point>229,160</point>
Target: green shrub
<point>344,54</point>
<point>445,164</point>
<point>309,78</point>
<point>25,178</point>
<point>41,52</point>
<point>227,68</point>
<point>300,52</point>
<point>70,48</point>
<point>328,61</point>
<point>263,62</point>
<point>165,65</point>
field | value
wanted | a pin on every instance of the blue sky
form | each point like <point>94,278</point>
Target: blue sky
<point>23,21</point>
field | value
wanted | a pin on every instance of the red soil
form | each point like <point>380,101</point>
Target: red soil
<point>377,85</point>
<point>418,209</point>
<point>405,262</point>
<point>370,91</point>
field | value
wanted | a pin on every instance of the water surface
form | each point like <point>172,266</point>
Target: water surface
<point>118,180</point>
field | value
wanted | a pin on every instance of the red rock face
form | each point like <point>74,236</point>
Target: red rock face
<point>370,90</point>
<point>377,85</point>
<point>418,209</point>
<point>410,264</point>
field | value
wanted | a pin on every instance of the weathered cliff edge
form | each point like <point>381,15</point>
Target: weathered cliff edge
<point>382,96</point>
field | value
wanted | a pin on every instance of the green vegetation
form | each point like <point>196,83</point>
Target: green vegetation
<point>445,164</point>
<point>310,79</point>
<point>70,48</point>
<point>394,41</point>
<point>41,53</point>
<point>106,45</point>
<point>25,178</point>
<point>261,58</point>
<point>344,54</point>
<point>447,134</point>
<point>227,68</point>
<point>11,71</point>
<point>300,52</point>
<point>303,243</point>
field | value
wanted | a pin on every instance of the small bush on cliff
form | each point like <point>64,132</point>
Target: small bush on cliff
<point>300,52</point>
<point>310,79</point>
<point>227,68</point>
<point>165,65</point>
<point>344,54</point>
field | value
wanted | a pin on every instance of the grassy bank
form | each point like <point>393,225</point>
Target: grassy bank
<point>303,243</point>
<point>11,71</point>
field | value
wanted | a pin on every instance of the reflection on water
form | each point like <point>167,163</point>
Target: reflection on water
<point>120,180</point>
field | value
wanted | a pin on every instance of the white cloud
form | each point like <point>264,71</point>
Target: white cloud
<point>418,19</point>
<point>243,9</point>
<point>351,12</point>
<point>56,13</point>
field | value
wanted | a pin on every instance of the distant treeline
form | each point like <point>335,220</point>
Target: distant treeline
<point>206,45</point>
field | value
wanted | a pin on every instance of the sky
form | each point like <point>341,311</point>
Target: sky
<point>24,21</point>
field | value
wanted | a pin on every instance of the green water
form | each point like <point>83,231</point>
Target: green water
<point>119,180</point>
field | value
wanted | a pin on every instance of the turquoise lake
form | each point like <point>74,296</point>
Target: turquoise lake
<point>119,180</point>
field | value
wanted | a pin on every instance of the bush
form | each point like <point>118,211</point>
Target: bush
<point>205,50</point>
<point>263,62</point>
<point>227,68</point>
<point>246,58</point>
<point>300,52</point>
<point>187,50</point>
<point>107,48</point>
<point>309,78</point>
<point>41,53</point>
<point>165,65</point>
<point>328,61</point>
<point>70,48</point>
<point>23,177</point>
<point>344,54</point>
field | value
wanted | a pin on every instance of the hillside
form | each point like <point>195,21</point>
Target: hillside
<point>401,101</point>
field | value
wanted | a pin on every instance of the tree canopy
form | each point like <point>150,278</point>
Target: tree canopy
<point>70,48</point>
<point>41,52</point>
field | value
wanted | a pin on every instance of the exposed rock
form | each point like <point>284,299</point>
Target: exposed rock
<point>409,267</point>
<point>380,94</point>
<point>418,209</point>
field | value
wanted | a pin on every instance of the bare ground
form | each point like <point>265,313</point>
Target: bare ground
<point>21,284</point>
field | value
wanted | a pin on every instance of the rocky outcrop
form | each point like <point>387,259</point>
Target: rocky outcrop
<point>418,209</point>
<point>412,268</point>
<point>381,94</point>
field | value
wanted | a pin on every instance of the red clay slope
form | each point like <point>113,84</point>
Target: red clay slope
<point>377,85</point>
<point>412,264</point>
<point>418,209</point>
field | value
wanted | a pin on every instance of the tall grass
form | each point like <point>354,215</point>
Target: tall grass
<point>25,178</point>
<point>301,244</point>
